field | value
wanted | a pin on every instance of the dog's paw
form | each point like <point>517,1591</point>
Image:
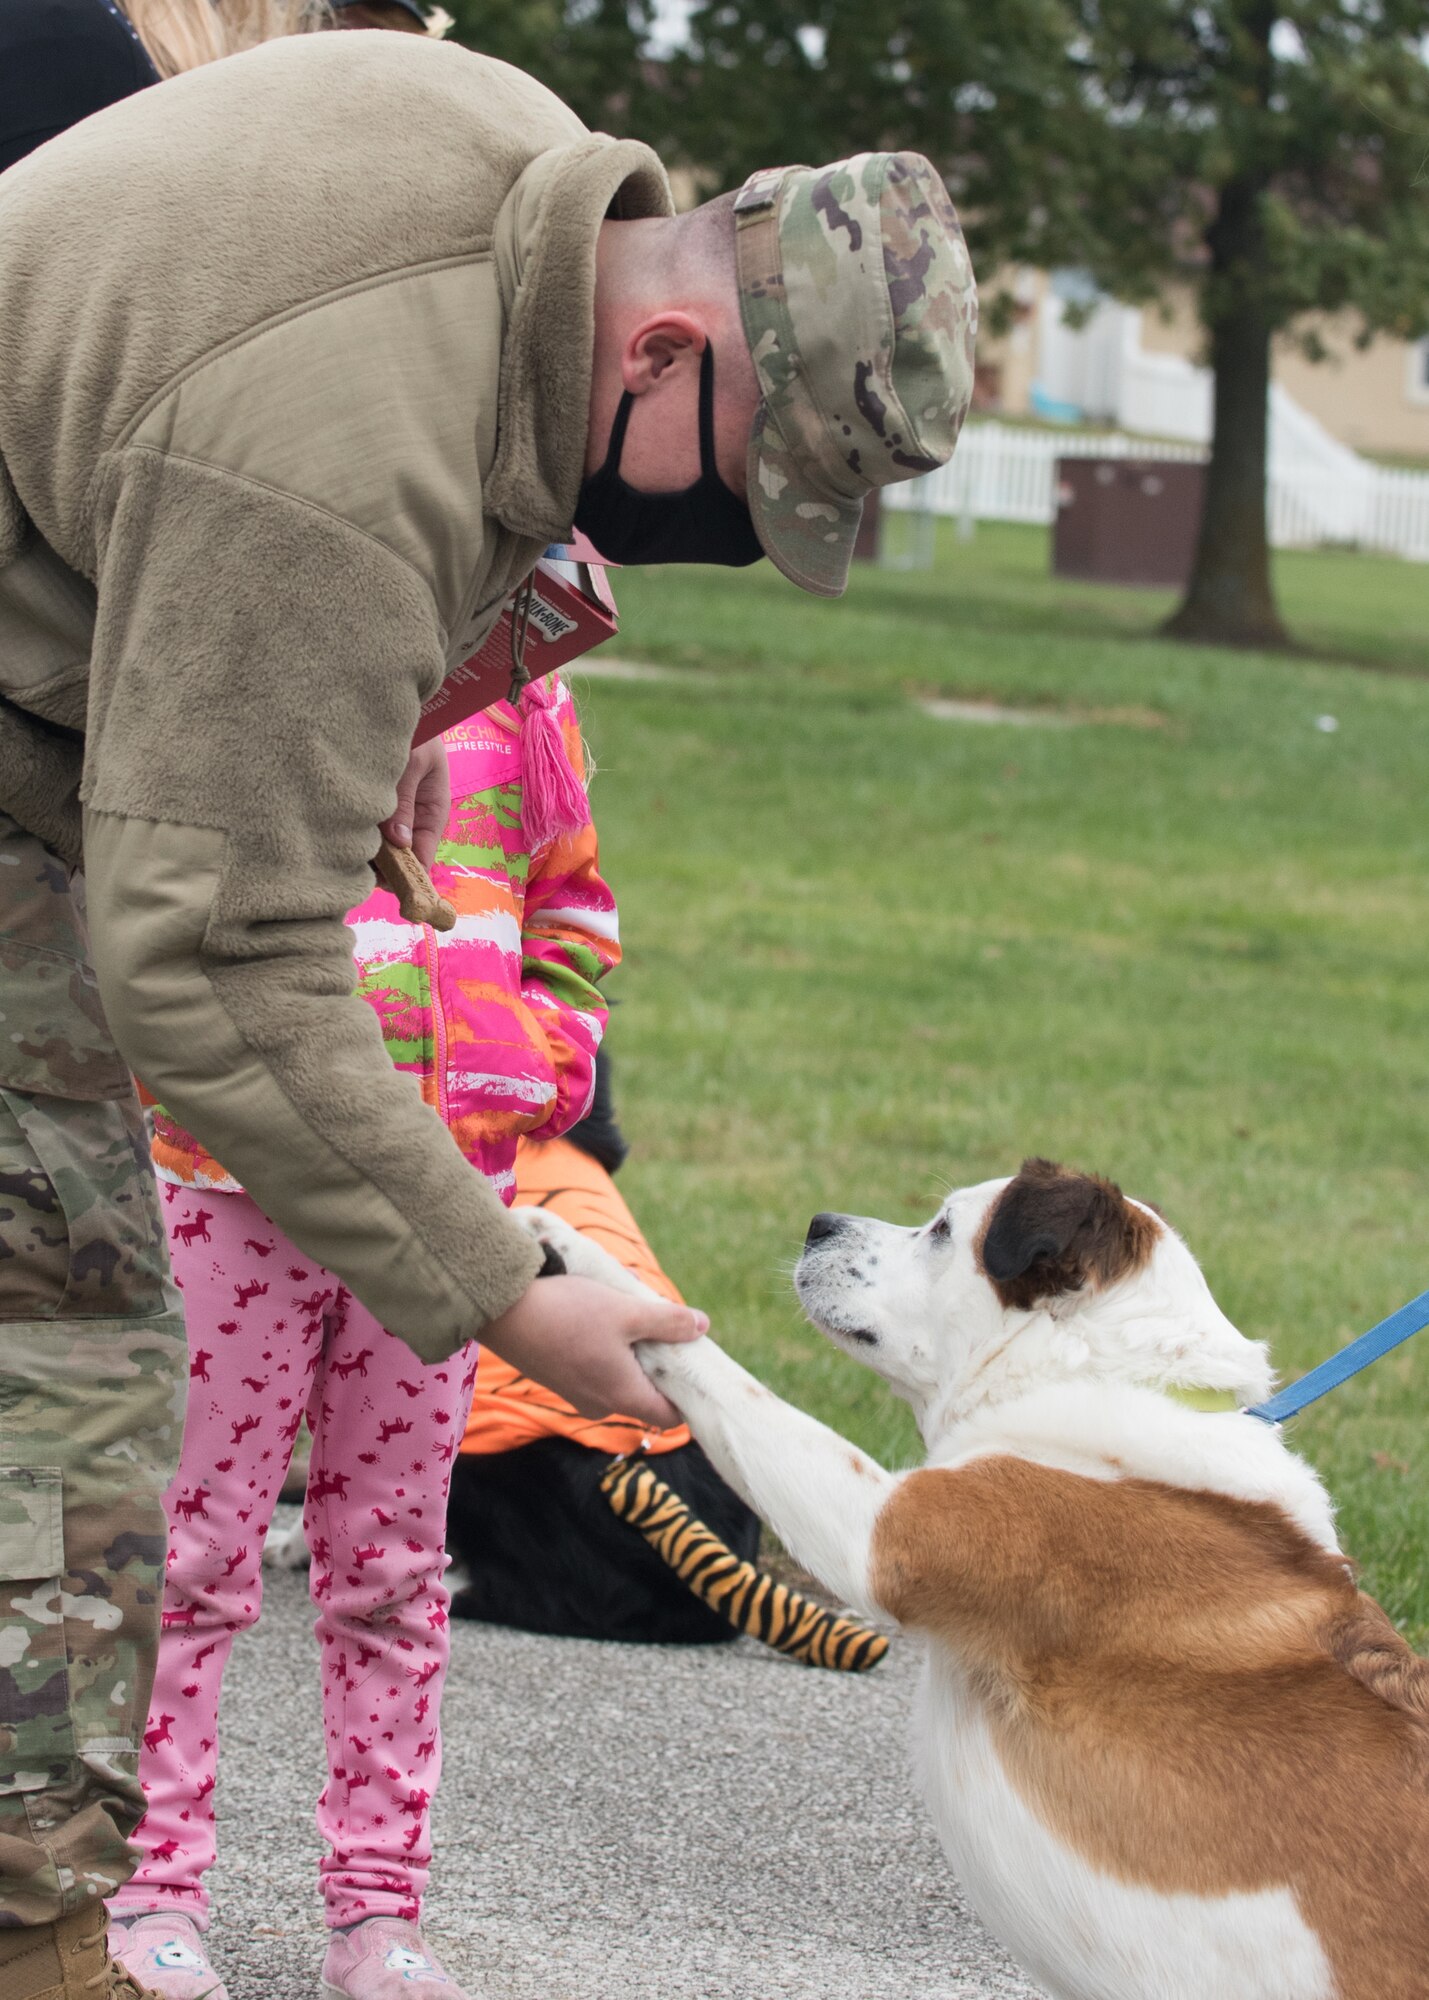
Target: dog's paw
<point>578,1255</point>
<point>552,1232</point>
<point>288,1549</point>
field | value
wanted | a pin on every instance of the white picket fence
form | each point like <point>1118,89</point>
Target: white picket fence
<point>1002,473</point>
<point>1319,492</point>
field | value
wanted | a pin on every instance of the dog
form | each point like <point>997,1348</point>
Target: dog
<point>1170,1750</point>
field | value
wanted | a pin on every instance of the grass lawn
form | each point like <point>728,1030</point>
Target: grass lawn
<point>871,955</point>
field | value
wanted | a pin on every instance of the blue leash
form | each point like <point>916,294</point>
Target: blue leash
<point>1349,1361</point>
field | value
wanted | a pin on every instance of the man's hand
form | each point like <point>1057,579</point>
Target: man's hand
<point>575,1336</point>
<point>424,802</point>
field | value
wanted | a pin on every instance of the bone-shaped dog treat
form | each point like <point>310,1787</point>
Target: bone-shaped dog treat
<point>399,870</point>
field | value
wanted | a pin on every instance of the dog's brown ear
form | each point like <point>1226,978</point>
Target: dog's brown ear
<point>1053,1231</point>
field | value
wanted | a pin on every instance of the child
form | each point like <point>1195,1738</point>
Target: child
<point>499,1021</point>
<point>528,1525</point>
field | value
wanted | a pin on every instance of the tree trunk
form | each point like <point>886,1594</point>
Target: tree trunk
<point>1229,600</point>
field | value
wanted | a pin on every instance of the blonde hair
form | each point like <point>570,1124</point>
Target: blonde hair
<point>436,21</point>
<point>181,34</point>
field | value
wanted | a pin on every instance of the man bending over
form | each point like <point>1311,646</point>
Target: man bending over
<point>304,358</point>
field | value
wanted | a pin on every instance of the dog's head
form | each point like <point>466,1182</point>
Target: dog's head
<point>1050,1276</point>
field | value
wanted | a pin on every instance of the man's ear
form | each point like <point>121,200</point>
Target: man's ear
<point>665,340</point>
<point>1052,1231</point>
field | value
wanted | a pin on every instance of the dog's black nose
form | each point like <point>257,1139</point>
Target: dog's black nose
<point>823,1225</point>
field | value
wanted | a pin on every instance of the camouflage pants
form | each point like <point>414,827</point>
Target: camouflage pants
<point>92,1382</point>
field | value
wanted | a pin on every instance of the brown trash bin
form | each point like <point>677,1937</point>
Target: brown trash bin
<point>1127,520</point>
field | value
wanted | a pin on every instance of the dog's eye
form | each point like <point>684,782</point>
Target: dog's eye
<point>940,1230</point>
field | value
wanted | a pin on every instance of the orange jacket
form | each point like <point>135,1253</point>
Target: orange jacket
<point>510,1409</point>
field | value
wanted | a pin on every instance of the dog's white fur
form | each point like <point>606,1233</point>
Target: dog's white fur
<point>1075,1384</point>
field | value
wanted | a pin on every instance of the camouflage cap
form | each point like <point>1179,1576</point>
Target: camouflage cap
<point>860,312</point>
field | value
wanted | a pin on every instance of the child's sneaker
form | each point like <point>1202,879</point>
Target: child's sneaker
<point>384,1959</point>
<point>166,1954</point>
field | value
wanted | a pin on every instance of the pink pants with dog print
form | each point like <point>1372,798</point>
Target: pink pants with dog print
<point>272,1334</point>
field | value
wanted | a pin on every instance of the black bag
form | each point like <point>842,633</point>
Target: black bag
<point>543,1551</point>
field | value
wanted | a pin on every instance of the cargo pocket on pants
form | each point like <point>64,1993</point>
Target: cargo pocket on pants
<point>37,1742</point>
<point>81,1232</point>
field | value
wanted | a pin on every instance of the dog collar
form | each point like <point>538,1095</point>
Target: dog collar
<point>1212,1402</point>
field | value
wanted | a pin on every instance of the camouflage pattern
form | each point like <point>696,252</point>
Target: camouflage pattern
<point>92,1379</point>
<point>860,312</point>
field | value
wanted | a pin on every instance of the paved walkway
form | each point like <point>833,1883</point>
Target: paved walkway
<point>616,1823</point>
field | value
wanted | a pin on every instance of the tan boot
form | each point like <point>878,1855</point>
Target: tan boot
<point>64,1961</point>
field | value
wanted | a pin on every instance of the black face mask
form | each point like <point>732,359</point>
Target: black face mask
<point>703,523</point>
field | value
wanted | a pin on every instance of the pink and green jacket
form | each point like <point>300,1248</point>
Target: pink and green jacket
<point>500,1018</point>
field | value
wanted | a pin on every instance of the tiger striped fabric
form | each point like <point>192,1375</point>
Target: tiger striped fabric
<point>752,1601</point>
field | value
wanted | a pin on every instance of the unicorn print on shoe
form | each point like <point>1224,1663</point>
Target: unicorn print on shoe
<point>165,1954</point>
<point>384,1959</point>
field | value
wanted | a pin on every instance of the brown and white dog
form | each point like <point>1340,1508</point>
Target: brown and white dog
<point>1171,1751</point>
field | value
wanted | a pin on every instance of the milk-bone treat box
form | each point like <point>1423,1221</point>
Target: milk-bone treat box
<point>564,609</point>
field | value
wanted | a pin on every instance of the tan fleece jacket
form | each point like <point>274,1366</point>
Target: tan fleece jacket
<point>294,376</point>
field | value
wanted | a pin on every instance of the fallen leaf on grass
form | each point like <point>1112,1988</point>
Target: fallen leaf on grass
<point>1385,1461</point>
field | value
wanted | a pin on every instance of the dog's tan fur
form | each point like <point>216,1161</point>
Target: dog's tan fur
<point>1257,1720</point>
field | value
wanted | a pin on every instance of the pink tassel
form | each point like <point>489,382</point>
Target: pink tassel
<point>553,798</point>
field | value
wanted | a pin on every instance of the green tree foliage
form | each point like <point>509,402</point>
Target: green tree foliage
<point>1274,158</point>
<point>590,53</point>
